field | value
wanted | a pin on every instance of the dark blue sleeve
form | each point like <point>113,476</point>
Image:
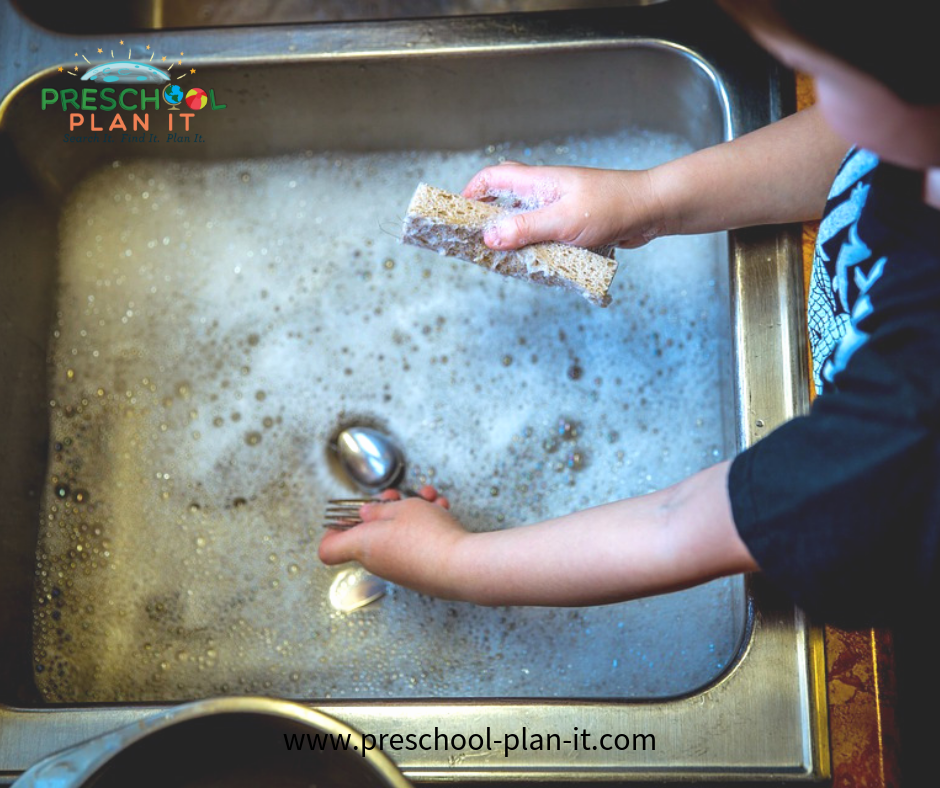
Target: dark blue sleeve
<point>841,507</point>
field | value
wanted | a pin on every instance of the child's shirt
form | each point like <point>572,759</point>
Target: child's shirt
<point>841,507</point>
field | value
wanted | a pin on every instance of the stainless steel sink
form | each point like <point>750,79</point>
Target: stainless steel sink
<point>755,710</point>
<point>115,16</point>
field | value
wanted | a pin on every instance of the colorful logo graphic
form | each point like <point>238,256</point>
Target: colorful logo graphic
<point>130,71</point>
<point>173,94</point>
<point>128,88</point>
<point>196,98</point>
<point>127,71</point>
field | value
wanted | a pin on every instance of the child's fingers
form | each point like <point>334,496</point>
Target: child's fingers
<point>337,547</point>
<point>380,510</point>
<point>431,495</point>
<point>522,229</point>
<point>428,492</point>
<point>389,495</point>
<point>506,177</point>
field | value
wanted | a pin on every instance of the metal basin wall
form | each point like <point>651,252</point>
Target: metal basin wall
<point>611,76</point>
<point>113,15</point>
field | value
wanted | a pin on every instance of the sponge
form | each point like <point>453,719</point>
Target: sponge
<point>453,225</point>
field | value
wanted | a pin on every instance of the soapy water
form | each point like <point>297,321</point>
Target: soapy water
<point>217,323</point>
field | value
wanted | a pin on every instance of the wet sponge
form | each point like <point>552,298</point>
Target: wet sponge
<point>453,225</point>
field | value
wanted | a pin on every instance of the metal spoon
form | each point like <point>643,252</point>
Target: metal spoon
<point>354,587</point>
<point>371,459</point>
<point>374,462</point>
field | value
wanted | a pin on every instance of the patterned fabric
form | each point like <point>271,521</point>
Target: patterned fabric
<point>841,507</point>
<point>839,266</point>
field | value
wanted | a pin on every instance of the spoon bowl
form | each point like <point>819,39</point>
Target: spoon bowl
<point>371,459</point>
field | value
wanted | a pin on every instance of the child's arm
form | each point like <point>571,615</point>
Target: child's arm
<point>667,540</point>
<point>671,539</point>
<point>780,173</point>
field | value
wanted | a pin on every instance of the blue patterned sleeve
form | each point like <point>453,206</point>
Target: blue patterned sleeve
<point>841,507</point>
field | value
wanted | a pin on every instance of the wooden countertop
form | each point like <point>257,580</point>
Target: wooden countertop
<point>860,677</point>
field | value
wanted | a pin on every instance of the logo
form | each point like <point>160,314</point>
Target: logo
<point>127,71</point>
<point>172,95</point>
<point>116,97</point>
<point>196,98</point>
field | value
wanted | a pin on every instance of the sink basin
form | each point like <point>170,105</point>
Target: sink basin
<point>115,16</point>
<point>198,316</point>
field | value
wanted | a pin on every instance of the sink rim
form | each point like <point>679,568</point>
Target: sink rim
<point>778,744</point>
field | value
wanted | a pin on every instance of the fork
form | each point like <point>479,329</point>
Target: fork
<point>343,513</point>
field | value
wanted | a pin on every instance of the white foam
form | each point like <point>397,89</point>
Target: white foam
<point>190,566</point>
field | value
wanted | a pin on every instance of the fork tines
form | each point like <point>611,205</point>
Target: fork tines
<point>343,513</point>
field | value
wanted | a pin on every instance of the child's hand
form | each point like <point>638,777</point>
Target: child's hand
<point>575,205</point>
<point>659,542</point>
<point>409,542</point>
